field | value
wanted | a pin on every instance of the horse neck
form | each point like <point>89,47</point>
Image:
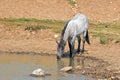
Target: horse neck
<point>64,34</point>
<point>62,42</point>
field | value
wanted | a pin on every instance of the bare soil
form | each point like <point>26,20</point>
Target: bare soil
<point>98,10</point>
<point>40,9</point>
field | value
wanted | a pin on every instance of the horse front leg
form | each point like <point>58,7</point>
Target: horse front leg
<point>71,48</point>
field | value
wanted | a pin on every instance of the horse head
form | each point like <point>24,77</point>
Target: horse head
<point>60,47</point>
<point>60,50</point>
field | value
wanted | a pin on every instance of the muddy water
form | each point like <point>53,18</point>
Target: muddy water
<point>18,67</point>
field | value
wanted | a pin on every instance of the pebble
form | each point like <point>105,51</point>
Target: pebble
<point>39,73</point>
<point>78,67</point>
<point>66,69</point>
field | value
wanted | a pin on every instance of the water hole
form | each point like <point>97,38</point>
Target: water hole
<point>20,66</point>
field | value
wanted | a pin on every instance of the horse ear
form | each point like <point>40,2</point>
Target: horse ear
<point>57,42</point>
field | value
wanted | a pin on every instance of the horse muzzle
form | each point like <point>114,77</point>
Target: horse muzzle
<point>58,57</point>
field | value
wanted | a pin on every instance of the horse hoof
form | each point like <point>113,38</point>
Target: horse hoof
<point>82,52</point>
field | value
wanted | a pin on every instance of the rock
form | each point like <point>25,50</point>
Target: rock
<point>115,78</point>
<point>39,73</point>
<point>55,35</point>
<point>65,69</point>
<point>78,67</point>
<point>83,72</point>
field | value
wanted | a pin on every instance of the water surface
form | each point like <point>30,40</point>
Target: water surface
<point>19,67</point>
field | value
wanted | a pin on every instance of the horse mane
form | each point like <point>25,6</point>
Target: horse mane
<point>62,42</point>
<point>63,31</point>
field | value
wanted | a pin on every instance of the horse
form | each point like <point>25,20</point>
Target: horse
<point>73,29</point>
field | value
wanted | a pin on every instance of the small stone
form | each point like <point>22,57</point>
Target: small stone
<point>115,8</point>
<point>55,35</point>
<point>109,68</point>
<point>78,67</point>
<point>83,72</point>
<point>111,2</point>
<point>65,69</point>
<point>33,32</point>
<point>115,78</point>
<point>38,73</point>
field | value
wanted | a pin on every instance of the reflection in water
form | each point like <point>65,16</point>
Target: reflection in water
<point>80,62</point>
<point>71,62</point>
<point>74,62</point>
<point>60,64</point>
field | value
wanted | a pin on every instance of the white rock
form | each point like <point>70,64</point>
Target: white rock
<point>55,35</point>
<point>38,73</point>
<point>65,69</point>
<point>78,67</point>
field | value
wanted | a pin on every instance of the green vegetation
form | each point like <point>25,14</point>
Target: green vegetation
<point>72,2</point>
<point>106,31</point>
<point>34,24</point>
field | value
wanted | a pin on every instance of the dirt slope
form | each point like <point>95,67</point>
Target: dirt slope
<point>55,9</point>
<point>101,10</point>
<point>105,10</point>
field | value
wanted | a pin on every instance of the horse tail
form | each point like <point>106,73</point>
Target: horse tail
<point>87,38</point>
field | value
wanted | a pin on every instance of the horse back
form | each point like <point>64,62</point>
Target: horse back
<point>78,24</point>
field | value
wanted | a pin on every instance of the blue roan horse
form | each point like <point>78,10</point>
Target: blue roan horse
<point>73,29</point>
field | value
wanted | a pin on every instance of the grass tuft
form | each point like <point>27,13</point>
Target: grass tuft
<point>36,27</point>
<point>72,2</point>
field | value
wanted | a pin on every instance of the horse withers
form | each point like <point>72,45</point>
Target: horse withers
<point>73,29</point>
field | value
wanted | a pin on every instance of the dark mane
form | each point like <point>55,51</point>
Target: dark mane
<point>63,31</point>
<point>62,42</point>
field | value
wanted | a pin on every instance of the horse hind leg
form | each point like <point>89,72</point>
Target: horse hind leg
<point>82,51</point>
<point>84,39</point>
<point>70,48</point>
<point>79,43</point>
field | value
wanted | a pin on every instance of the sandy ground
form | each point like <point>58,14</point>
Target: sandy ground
<point>98,10</point>
<point>41,9</point>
